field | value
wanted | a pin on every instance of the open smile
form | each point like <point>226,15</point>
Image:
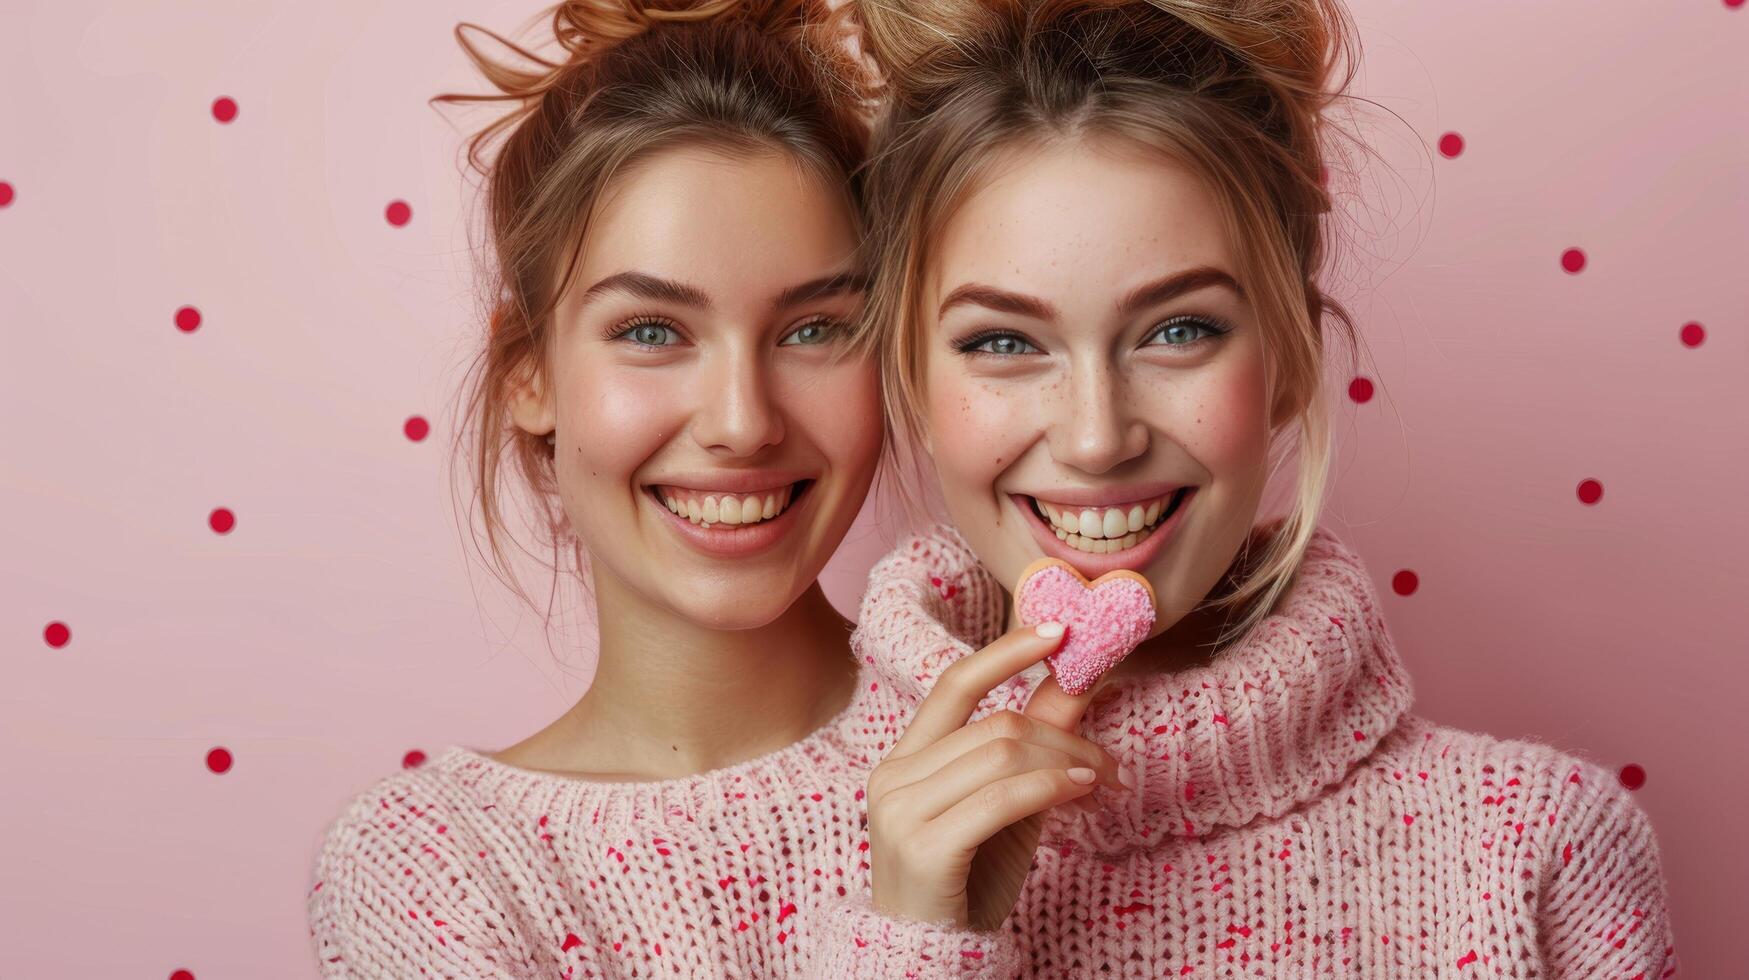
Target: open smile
<point>731,522</point>
<point>1105,537</point>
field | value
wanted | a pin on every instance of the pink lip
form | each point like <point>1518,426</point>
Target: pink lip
<point>1139,493</point>
<point>730,481</point>
<point>741,540</point>
<point>1092,566</point>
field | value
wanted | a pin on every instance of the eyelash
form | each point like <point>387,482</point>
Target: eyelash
<point>623,329</point>
<point>1213,327</point>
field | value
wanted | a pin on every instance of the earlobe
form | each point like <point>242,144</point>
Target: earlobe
<point>530,407</point>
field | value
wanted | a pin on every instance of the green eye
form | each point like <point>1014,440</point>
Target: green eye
<point>817,332</point>
<point>996,342</point>
<point>650,334</point>
<point>1185,332</point>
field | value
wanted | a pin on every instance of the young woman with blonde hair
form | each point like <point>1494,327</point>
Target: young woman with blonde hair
<point>1098,229</point>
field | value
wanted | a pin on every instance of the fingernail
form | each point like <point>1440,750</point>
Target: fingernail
<point>1082,774</point>
<point>1049,631</point>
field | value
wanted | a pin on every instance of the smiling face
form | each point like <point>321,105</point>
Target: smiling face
<point>712,444</point>
<point>1094,379</point>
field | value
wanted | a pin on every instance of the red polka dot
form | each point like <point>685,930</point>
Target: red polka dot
<point>1633,776</point>
<point>182,975</point>
<point>1405,582</point>
<point>5,193</point>
<point>1573,260</point>
<point>188,319</point>
<point>1590,491</point>
<point>1733,4</point>
<point>1360,390</point>
<point>1451,144</point>
<point>398,213</point>
<point>413,759</point>
<point>219,760</point>
<point>56,634</point>
<point>222,520</point>
<point>1693,334</point>
<point>224,109</point>
<point>416,428</point>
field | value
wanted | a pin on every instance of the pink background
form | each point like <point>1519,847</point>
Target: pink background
<point>340,625</point>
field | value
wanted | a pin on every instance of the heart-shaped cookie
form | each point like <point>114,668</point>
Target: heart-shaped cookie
<point>1103,620</point>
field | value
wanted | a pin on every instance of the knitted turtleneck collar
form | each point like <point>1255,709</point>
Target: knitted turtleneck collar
<point>1272,721</point>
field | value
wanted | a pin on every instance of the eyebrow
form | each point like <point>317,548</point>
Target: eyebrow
<point>1149,294</point>
<point>645,286</point>
<point>654,288</point>
<point>837,284</point>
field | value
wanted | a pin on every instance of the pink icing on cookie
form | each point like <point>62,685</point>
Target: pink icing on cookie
<point>1104,620</point>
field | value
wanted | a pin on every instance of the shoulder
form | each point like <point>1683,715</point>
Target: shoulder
<point>1553,805</point>
<point>400,878</point>
<point>399,814</point>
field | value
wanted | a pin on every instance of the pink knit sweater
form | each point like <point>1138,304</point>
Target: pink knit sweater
<point>1292,819</point>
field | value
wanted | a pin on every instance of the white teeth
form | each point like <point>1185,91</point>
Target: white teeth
<point>1115,523</point>
<point>1083,527</point>
<point>726,509</point>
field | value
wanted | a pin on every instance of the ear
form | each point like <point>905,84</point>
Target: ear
<point>531,403</point>
<point>1285,407</point>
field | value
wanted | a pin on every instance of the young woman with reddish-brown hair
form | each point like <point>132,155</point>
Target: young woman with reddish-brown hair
<point>666,379</point>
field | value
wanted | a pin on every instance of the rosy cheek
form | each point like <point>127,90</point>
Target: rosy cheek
<point>839,409</point>
<point>977,428</point>
<point>1220,417</point>
<point>621,418</point>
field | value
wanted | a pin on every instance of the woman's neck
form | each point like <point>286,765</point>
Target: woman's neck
<point>673,698</point>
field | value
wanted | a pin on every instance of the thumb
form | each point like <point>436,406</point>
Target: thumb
<point>1051,704</point>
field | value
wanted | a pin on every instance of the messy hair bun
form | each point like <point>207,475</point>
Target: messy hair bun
<point>631,78</point>
<point>1237,90</point>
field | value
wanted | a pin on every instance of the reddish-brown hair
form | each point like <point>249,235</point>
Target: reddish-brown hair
<point>636,78</point>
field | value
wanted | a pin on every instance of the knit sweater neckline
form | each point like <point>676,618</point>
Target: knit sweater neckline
<point>842,743</point>
<point>1271,722</point>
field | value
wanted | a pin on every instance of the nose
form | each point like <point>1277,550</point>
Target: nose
<point>1099,430</point>
<point>737,415</point>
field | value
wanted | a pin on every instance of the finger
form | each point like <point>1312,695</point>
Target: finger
<point>978,817</point>
<point>1052,705</point>
<point>995,760</point>
<point>967,681</point>
<point>924,763</point>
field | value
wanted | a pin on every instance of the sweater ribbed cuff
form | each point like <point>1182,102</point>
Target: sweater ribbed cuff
<point>857,941</point>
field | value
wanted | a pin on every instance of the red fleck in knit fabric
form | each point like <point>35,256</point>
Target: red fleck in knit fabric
<point>1292,819</point>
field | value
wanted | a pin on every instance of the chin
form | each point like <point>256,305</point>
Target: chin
<point>734,609</point>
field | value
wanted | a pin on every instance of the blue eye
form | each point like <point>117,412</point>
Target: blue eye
<point>1184,327</point>
<point>998,342</point>
<point>816,332</point>
<point>650,333</point>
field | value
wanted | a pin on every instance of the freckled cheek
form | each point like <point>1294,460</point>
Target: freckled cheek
<point>1221,418</point>
<point>978,430</point>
